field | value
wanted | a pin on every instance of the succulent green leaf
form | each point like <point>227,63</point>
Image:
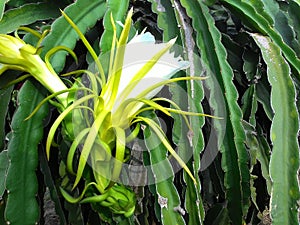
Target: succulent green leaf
<point>168,197</point>
<point>2,7</point>
<point>166,19</point>
<point>21,183</point>
<point>249,107</point>
<point>3,171</point>
<point>234,154</point>
<point>19,3</point>
<point>169,21</point>
<point>284,162</point>
<point>190,153</point>
<point>282,23</point>
<point>5,95</point>
<point>259,150</point>
<point>194,140</point>
<point>250,13</point>
<point>263,156</point>
<point>263,97</point>
<point>297,1</point>
<point>27,14</point>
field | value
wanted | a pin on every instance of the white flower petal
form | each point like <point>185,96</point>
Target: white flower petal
<point>139,51</point>
<point>143,37</point>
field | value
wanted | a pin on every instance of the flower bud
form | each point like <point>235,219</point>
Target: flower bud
<point>17,55</point>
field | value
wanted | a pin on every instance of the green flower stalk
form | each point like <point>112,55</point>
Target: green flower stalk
<point>15,54</point>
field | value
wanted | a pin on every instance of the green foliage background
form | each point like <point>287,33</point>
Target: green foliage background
<point>250,48</point>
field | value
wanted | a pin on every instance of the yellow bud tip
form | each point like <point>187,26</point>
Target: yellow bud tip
<point>172,41</point>
<point>128,18</point>
<point>130,12</point>
<point>65,15</point>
